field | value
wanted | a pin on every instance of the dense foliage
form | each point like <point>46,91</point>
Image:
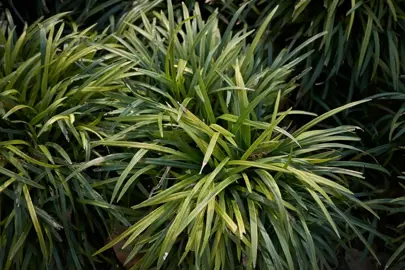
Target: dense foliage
<point>221,135</point>
<point>49,83</point>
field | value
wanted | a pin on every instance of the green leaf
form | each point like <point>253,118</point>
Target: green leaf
<point>228,221</point>
<point>16,108</point>
<point>17,246</point>
<point>256,164</point>
<point>157,199</point>
<point>239,219</point>
<point>135,159</point>
<point>324,210</point>
<point>133,178</point>
<point>60,150</point>
<point>395,255</point>
<point>327,115</point>
<point>46,152</point>
<point>35,222</point>
<point>253,232</point>
<point>139,145</point>
<point>365,43</point>
<point>20,178</point>
<point>392,8</point>
<point>209,150</point>
<point>256,40</point>
<point>353,2</point>
<point>28,158</point>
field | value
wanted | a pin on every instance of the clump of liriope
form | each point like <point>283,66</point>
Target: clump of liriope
<point>224,176</point>
<point>52,213</point>
<point>352,47</point>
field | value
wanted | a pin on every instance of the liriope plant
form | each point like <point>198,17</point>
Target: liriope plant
<point>224,178</point>
<point>362,43</point>
<point>53,214</point>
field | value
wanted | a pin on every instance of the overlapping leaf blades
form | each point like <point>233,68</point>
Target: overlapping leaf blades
<point>48,87</point>
<point>187,124</point>
<point>222,186</point>
<point>357,33</point>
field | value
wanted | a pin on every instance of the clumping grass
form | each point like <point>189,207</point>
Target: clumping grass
<point>362,36</point>
<point>226,178</point>
<point>165,138</point>
<point>49,82</point>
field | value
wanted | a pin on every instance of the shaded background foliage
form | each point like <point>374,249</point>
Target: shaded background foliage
<point>361,55</point>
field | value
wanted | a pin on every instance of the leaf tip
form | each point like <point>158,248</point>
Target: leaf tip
<point>202,167</point>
